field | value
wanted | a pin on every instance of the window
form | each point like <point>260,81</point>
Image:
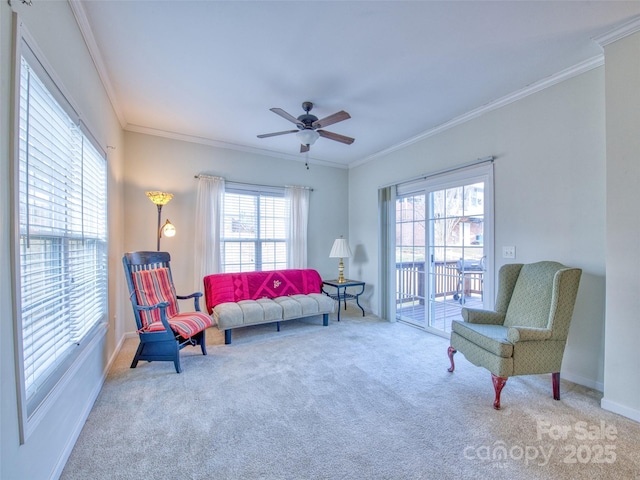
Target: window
<point>61,242</point>
<point>254,230</point>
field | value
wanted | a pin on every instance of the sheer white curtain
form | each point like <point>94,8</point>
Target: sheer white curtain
<point>298,201</point>
<point>209,210</point>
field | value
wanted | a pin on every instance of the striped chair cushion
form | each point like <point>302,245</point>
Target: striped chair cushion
<point>185,324</point>
<point>153,287</point>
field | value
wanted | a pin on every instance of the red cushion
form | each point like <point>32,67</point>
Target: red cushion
<point>185,324</point>
<point>153,287</point>
<point>233,287</point>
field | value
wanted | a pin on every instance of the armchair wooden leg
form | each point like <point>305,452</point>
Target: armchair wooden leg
<point>203,342</point>
<point>136,358</point>
<point>176,363</point>
<point>451,352</point>
<point>555,380</point>
<point>498,384</point>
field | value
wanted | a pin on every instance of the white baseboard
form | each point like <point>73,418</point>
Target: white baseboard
<point>584,381</point>
<point>83,415</point>
<point>623,410</point>
<point>82,418</point>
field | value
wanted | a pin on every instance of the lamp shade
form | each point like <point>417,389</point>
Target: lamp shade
<point>307,136</point>
<point>168,229</point>
<point>340,249</point>
<point>159,198</point>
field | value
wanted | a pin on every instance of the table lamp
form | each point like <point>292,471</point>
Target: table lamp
<point>340,250</point>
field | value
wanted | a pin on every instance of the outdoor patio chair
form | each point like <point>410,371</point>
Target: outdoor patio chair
<point>527,332</point>
<point>162,329</point>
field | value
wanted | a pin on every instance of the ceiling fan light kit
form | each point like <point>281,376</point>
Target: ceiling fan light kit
<point>308,127</point>
<point>307,136</point>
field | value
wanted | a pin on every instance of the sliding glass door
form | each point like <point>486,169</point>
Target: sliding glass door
<point>411,248</point>
<point>443,248</point>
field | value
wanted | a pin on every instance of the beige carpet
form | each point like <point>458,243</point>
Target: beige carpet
<point>359,399</point>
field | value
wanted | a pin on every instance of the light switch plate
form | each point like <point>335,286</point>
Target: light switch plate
<point>509,252</point>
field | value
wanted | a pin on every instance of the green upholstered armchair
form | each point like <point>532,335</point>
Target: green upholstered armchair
<point>527,332</point>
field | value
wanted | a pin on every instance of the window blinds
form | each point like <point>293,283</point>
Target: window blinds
<point>62,197</point>
<point>254,231</point>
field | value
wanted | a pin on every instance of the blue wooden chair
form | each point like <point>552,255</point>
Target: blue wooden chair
<point>163,330</point>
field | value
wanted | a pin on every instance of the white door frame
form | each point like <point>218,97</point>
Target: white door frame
<point>464,176</point>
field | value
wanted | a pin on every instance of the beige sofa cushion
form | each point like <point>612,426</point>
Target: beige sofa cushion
<point>264,310</point>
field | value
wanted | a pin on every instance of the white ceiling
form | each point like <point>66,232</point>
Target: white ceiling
<point>210,70</point>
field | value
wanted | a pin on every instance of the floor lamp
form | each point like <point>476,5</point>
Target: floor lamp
<point>160,199</point>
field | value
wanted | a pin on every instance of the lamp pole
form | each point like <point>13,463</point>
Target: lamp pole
<point>158,229</point>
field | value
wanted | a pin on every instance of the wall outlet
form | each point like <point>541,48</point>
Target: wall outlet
<point>508,252</point>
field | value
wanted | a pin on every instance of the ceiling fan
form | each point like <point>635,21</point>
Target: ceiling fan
<point>309,127</point>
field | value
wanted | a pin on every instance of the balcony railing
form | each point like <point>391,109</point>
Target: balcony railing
<point>451,290</point>
<point>447,281</point>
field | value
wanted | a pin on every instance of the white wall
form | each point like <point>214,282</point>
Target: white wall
<point>549,195</point>
<point>157,163</point>
<point>43,455</point>
<point>622,356</point>
<point>550,203</point>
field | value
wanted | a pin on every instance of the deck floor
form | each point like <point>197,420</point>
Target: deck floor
<point>446,310</point>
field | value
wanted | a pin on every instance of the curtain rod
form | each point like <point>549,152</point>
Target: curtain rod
<point>203,175</point>
<point>252,184</point>
<point>424,176</point>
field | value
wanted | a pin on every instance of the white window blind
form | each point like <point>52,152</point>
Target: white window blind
<point>62,196</point>
<point>254,230</point>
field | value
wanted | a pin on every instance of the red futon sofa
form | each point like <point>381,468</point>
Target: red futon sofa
<point>250,298</point>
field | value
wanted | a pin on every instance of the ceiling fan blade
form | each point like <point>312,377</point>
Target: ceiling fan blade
<point>288,116</point>
<point>304,148</point>
<point>265,135</point>
<point>331,119</point>
<point>336,136</point>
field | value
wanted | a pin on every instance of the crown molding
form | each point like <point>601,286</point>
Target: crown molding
<point>229,146</point>
<point>626,29</point>
<point>559,77</point>
<point>94,51</point>
<point>85,28</point>
<point>79,12</point>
